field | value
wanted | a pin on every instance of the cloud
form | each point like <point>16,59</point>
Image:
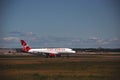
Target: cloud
<point>97,40</point>
<point>16,33</point>
<point>93,38</point>
<point>23,34</point>
<point>29,34</point>
<point>36,40</point>
<point>73,42</point>
<point>115,40</point>
<point>10,38</point>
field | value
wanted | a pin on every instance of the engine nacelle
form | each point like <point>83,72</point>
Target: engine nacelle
<point>58,55</point>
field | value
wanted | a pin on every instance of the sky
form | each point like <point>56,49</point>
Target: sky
<point>60,23</point>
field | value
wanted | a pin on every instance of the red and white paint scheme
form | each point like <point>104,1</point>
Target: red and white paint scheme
<point>49,52</point>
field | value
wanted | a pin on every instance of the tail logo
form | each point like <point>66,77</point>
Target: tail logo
<point>25,46</point>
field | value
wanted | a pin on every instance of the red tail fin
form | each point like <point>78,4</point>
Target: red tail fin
<point>25,46</point>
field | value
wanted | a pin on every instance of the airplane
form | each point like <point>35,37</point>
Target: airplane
<point>49,52</point>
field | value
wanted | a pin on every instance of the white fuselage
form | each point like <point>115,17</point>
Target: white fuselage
<point>52,50</point>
